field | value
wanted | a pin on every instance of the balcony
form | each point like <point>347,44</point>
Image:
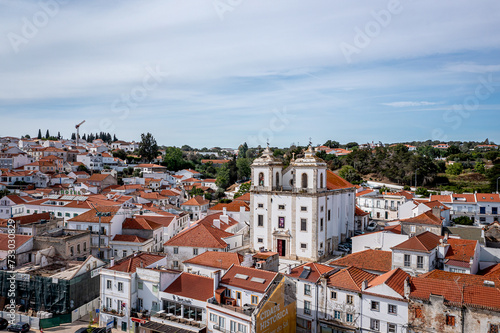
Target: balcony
<point>173,320</point>
<point>247,309</point>
<point>113,312</point>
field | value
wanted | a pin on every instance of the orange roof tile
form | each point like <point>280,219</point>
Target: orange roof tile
<point>423,242</point>
<point>487,197</point>
<point>359,212</point>
<point>90,215</point>
<point>231,279</point>
<point>335,182</point>
<point>244,197</point>
<point>442,198</point>
<point>196,201</point>
<point>140,223</point>
<point>214,259</point>
<point>461,249</point>
<point>19,241</point>
<point>363,192</point>
<point>131,263</point>
<point>129,239</point>
<point>394,279</point>
<point>372,260</point>
<point>192,286</point>
<point>233,206</point>
<point>350,278</point>
<point>425,218</point>
<point>200,235</point>
<point>316,271</point>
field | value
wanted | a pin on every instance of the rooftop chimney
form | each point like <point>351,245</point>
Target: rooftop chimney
<point>436,211</point>
<point>364,285</point>
<point>112,261</point>
<point>216,280</point>
<point>217,223</point>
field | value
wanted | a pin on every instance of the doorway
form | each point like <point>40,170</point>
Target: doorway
<point>281,247</point>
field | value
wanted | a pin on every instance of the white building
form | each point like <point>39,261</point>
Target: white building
<point>303,211</point>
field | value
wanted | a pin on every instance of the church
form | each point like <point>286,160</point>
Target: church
<point>303,211</point>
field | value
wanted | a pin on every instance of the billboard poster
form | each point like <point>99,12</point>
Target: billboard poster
<point>279,312</point>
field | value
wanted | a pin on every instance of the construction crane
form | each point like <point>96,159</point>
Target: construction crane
<point>78,132</point>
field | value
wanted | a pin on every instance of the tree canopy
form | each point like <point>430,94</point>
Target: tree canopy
<point>148,149</point>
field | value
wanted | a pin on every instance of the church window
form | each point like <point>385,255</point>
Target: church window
<point>304,180</point>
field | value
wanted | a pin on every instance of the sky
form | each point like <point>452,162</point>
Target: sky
<point>223,72</point>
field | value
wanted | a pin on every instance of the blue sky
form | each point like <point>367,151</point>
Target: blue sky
<point>219,72</point>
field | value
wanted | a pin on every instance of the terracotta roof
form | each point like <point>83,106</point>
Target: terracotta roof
<point>16,199</point>
<point>196,201</point>
<point>487,197</point>
<point>90,215</point>
<point>209,221</point>
<point>165,219</point>
<point>469,197</point>
<point>425,218</point>
<point>231,278</point>
<point>140,223</point>
<point>19,241</point>
<point>396,229</point>
<point>372,260</point>
<point>441,198</point>
<point>461,249</point>
<point>233,206</point>
<point>244,197</point>
<point>98,177</point>
<point>214,259</point>
<point>335,182</point>
<point>350,278</point>
<point>359,212</point>
<point>26,219</point>
<point>316,271</point>
<point>458,277</point>
<point>130,263</point>
<point>456,294</point>
<point>394,279</point>
<point>200,235</point>
<point>192,286</point>
<point>435,203</point>
<point>149,166</point>
<point>423,242</point>
<point>169,193</point>
<point>264,255</point>
<point>129,239</point>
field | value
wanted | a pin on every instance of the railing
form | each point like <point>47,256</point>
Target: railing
<point>247,312</point>
<point>113,312</point>
<point>175,319</point>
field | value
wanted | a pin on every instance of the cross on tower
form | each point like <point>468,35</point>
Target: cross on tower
<point>310,141</point>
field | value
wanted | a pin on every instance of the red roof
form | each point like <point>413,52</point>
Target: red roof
<point>350,278</point>
<point>140,223</point>
<point>19,241</point>
<point>235,277</point>
<point>396,229</point>
<point>192,286</point>
<point>427,218</point>
<point>26,219</point>
<point>200,235</point>
<point>363,192</point>
<point>335,182</point>
<point>214,259</point>
<point>487,197</point>
<point>244,197</point>
<point>316,271</point>
<point>16,199</point>
<point>394,279</point>
<point>423,242</point>
<point>129,238</point>
<point>233,206</point>
<point>196,201</point>
<point>90,215</point>
<point>359,212</point>
<point>461,249</point>
<point>372,260</point>
<point>442,198</point>
<point>209,221</point>
<point>130,263</point>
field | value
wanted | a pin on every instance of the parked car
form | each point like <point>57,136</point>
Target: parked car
<point>3,323</point>
<point>372,226</point>
<point>345,247</point>
<point>19,327</point>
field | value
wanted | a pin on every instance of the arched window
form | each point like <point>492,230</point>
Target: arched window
<point>304,180</point>
<point>277,179</point>
<point>261,179</point>
<point>321,180</point>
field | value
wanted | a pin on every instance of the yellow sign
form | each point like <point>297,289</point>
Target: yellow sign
<point>274,316</point>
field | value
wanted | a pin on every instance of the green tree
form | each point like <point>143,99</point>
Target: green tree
<point>422,191</point>
<point>39,134</point>
<point>148,149</point>
<point>479,167</point>
<point>242,150</point>
<point>223,179</point>
<point>332,144</point>
<point>47,134</point>
<point>121,154</point>
<point>196,191</point>
<point>454,169</point>
<point>244,188</point>
<point>464,220</point>
<point>350,174</point>
<point>82,167</point>
<point>243,167</point>
<point>173,159</point>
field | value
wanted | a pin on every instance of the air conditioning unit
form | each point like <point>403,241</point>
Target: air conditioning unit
<point>230,301</point>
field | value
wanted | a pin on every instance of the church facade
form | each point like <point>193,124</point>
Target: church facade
<point>303,211</point>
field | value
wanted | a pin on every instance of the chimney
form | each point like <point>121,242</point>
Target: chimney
<point>112,261</point>
<point>364,285</point>
<point>216,280</point>
<point>224,211</point>
<point>289,269</point>
<point>217,223</point>
<point>407,287</point>
<point>436,211</point>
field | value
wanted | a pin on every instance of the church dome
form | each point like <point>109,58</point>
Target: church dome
<point>309,159</point>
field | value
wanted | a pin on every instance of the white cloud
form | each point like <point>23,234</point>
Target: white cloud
<point>408,104</point>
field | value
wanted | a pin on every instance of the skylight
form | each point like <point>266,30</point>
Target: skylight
<point>257,280</point>
<point>241,276</point>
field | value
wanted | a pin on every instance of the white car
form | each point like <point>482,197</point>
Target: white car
<point>372,226</point>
